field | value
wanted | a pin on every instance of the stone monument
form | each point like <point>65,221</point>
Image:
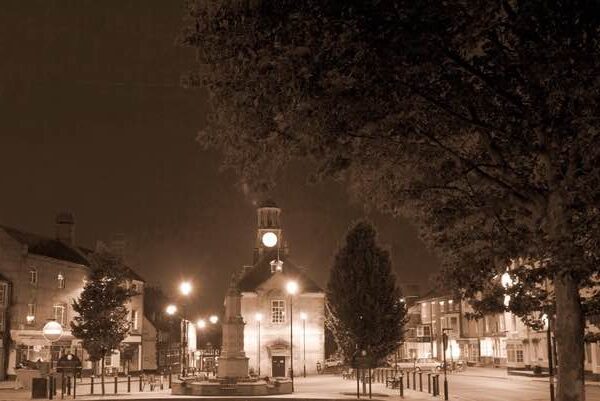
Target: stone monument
<point>233,362</point>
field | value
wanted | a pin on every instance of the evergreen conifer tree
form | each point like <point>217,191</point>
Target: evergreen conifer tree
<point>365,312</point>
<point>102,321</point>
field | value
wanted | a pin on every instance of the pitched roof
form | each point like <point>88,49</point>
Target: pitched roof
<point>48,247</point>
<point>261,272</point>
<point>55,249</point>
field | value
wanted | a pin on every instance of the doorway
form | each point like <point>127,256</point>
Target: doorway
<point>278,363</point>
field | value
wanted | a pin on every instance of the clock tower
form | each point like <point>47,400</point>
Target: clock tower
<point>269,236</point>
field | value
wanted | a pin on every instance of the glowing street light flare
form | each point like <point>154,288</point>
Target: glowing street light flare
<point>292,287</point>
<point>171,309</point>
<point>303,316</point>
<point>213,319</point>
<point>258,317</point>
<point>185,288</point>
<point>201,323</point>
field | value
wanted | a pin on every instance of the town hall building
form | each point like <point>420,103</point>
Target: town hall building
<point>284,310</point>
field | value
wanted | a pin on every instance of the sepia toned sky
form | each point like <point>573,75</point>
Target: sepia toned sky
<point>93,120</point>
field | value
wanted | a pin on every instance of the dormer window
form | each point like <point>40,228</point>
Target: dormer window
<point>61,280</point>
<point>33,276</point>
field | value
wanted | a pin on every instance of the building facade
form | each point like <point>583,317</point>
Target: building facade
<point>40,278</point>
<point>280,326</point>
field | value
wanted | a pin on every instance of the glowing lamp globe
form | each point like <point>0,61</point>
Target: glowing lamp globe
<point>52,331</point>
<point>269,239</point>
<point>303,316</point>
<point>171,309</point>
<point>258,317</point>
<point>185,288</point>
<point>213,319</point>
<point>201,323</point>
<point>292,287</point>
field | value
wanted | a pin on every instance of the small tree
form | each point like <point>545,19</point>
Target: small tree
<point>102,321</point>
<point>363,301</point>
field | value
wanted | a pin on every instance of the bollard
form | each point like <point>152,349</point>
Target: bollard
<point>75,386</point>
<point>445,388</point>
<point>401,385</point>
<point>407,379</point>
<point>436,385</point>
<point>429,383</point>
<point>129,383</point>
<point>170,378</point>
<point>116,383</point>
<point>414,379</point>
<point>420,381</point>
<point>69,385</point>
<point>54,379</point>
<point>92,385</point>
<point>140,376</point>
<point>50,391</point>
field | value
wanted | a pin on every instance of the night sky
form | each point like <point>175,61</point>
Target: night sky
<point>92,120</point>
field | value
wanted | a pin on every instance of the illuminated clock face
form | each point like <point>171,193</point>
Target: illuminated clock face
<point>269,239</point>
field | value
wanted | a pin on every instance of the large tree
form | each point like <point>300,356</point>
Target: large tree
<point>365,311</point>
<point>102,321</point>
<point>476,119</point>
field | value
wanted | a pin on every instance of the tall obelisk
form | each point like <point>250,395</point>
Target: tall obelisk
<point>233,362</point>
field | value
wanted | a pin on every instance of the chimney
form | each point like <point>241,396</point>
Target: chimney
<point>65,227</point>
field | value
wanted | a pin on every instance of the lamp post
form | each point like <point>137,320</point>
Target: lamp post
<point>185,288</point>
<point>258,318</point>
<point>171,310</point>
<point>303,317</point>
<point>52,331</point>
<point>292,289</point>
<point>445,344</point>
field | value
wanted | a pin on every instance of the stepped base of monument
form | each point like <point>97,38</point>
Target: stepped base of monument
<point>216,388</point>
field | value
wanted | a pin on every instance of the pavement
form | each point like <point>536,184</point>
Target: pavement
<point>312,388</point>
<point>473,384</point>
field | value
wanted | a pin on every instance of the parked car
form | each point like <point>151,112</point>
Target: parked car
<point>333,362</point>
<point>419,364</point>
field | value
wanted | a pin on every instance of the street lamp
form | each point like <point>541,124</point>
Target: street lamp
<point>52,331</point>
<point>185,288</point>
<point>201,323</point>
<point>303,318</point>
<point>213,319</point>
<point>258,318</point>
<point>445,344</point>
<point>292,289</point>
<point>171,311</point>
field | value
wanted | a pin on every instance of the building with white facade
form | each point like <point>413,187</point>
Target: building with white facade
<point>280,326</point>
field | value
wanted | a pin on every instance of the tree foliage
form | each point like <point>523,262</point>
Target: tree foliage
<point>102,318</point>
<point>476,119</point>
<point>364,305</point>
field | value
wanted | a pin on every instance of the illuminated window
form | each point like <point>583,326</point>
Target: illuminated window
<point>33,276</point>
<point>277,311</point>
<point>134,319</point>
<point>30,318</point>
<point>61,280</point>
<point>423,331</point>
<point>58,311</point>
